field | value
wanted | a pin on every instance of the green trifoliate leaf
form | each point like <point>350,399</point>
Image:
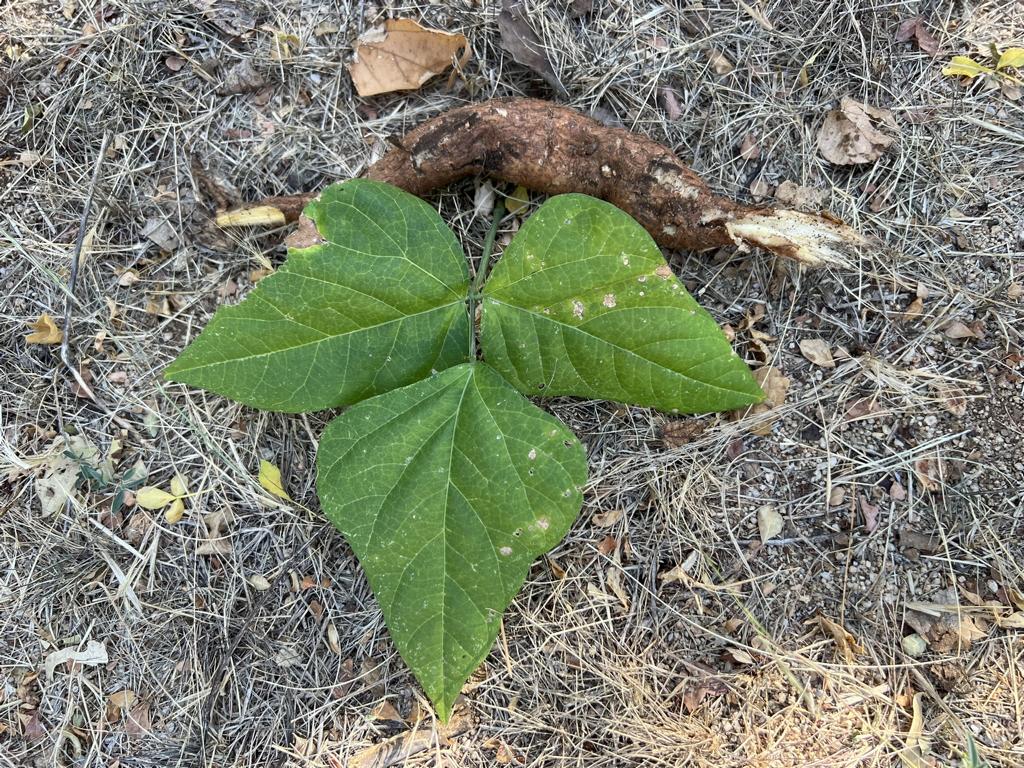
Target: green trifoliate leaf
<point>583,303</point>
<point>448,490</point>
<point>377,305</point>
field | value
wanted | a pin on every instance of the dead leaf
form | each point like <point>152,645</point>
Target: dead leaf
<point>914,29</point>
<point>681,432</point>
<point>846,643</point>
<point>959,330</point>
<point>45,331</point>
<point>769,523</point>
<point>928,471</point>
<point>398,749</point>
<point>270,478</point>
<point>670,100</point>
<point>138,721</point>
<point>162,233</point>
<point>94,654</point>
<point>806,198</point>
<point>520,40</point>
<point>913,310</point>
<point>869,512</point>
<point>609,518</point>
<point>175,63</point>
<point>1014,621</point>
<point>774,384</point>
<point>720,62</point>
<point>613,577</point>
<point>818,352</point>
<point>862,408</point>
<point>751,150</point>
<point>284,46</point>
<point>837,496</point>
<point>760,189</point>
<point>849,135</point>
<point>243,77</point>
<point>402,56</point>
<point>218,541</point>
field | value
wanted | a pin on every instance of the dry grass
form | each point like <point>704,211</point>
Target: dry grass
<point>605,664</point>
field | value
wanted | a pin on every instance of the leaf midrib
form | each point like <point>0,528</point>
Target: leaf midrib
<point>330,337</point>
<point>629,352</point>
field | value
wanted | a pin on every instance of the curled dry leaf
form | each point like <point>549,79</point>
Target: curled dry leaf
<point>93,654</point>
<point>609,518</point>
<point>850,136</point>
<point>914,29</point>
<point>44,331</point>
<point>846,644</point>
<point>959,330</point>
<point>402,56</point>
<point>769,523</point>
<point>818,352</point>
<point>519,39</point>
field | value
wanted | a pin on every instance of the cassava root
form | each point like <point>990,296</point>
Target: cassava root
<point>554,149</point>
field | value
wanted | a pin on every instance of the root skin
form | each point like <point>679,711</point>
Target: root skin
<point>554,149</point>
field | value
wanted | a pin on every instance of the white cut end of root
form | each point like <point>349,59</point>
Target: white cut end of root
<point>811,240</point>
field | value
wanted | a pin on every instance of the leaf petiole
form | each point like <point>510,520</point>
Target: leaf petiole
<point>476,289</point>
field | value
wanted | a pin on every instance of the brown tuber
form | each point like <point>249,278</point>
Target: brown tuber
<point>554,149</point>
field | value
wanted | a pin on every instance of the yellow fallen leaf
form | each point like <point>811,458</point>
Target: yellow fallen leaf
<point>179,486</point>
<point>175,512</point>
<point>1012,57</point>
<point>518,200</point>
<point>46,331</point>
<point>284,46</point>
<point>258,216</point>
<point>402,56</point>
<point>152,497</point>
<point>965,66</point>
<point>270,479</point>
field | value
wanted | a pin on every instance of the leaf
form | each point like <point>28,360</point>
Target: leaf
<point>175,512</point>
<point>378,305</point>
<point>526,47</point>
<point>93,654</point>
<point>447,491</point>
<point>965,66</point>
<point>769,523</point>
<point>849,135</point>
<point>915,29</point>
<point>1011,57</point>
<point>151,497</point>
<point>818,352</point>
<point>582,303</point>
<point>284,46</point>
<point>846,644</point>
<point>45,331</point>
<point>402,56</point>
<point>270,479</point>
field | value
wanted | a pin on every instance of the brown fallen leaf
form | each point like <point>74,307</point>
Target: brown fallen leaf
<point>720,62</point>
<point>818,352</point>
<point>805,198</point>
<point>44,331</point>
<point>398,749</point>
<point>402,56</point>
<point>914,29</point>
<point>751,150</point>
<point>846,644</point>
<point>869,512</point>
<point>849,135</point>
<point>519,39</point>
<point>137,722</point>
<point>959,330</point>
<point>775,387</point>
<point>609,518</point>
<point>681,432</point>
